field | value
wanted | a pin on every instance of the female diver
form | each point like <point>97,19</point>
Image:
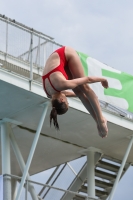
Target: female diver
<point>63,70</point>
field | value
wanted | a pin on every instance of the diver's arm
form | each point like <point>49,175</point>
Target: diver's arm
<point>69,93</point>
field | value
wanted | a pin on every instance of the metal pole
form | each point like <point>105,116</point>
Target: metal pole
<point>38,53</point>
<point>54,180</point>
<point>26,190</point>
<point>49,179</point>
<point>31,62</point>
<point>91,173</point>
<point>6,165</point>
<point>6,39</point>
<point>21,163</point>
<point>14,188</point>
<point>121,169</point>
<point>32,150</point>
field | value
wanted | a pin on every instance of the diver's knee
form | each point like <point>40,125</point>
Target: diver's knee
<point>77,90</point>
<point>85,87</point>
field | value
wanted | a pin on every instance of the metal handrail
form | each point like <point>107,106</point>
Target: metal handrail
<point>49,186</point>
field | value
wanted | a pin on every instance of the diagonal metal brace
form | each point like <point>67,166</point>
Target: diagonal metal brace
<point>33,147</point>
<point>121,168</point>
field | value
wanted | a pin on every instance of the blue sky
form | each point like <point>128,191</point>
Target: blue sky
<point>102,29</point>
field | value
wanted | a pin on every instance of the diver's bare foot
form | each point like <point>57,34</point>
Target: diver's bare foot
<point>102,128</point>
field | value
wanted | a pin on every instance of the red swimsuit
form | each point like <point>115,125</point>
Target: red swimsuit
<point>60,68</point>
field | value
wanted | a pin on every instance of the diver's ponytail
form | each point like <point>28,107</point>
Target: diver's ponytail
<point>53,116</point>
<point>58,108</point>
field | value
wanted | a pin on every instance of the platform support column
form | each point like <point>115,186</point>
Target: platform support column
<point>93,155</point>
<point>14,188</point>
<point>6,164</point>
<point>121,168</point>
<point>33,147</point>
<point>91,173</point>
<point>21,163</point>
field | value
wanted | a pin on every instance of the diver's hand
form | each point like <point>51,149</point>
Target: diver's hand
<point>104,83</point>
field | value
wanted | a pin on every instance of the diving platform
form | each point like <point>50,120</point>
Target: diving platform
<point>23,108</point>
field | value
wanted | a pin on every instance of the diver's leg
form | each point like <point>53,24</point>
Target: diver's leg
<point>85,102</point>
<point>102,122</point>
<point>76,69</point>
<point>90,109</point>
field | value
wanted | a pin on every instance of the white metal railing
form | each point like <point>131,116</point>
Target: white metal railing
<point>24,45</point>
<point>18,178</point>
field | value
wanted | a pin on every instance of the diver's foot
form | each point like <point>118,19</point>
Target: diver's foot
<point>102,128</point>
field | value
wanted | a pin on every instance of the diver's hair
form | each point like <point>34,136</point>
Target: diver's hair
<point>58,108</point>
<point>53,115</point>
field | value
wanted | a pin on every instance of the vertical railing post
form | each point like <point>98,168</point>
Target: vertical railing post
<point>6,52</point>
<point>38,54</point>
<point>31,62</point>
